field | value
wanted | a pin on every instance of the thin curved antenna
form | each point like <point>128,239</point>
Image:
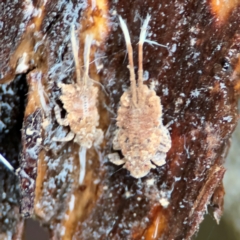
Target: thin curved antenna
<point>142,39</point>
<point>130,59</point>
<point>86,56</point>
<point>75,54</point>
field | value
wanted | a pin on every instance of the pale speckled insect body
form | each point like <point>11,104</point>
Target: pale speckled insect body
<point>83,117</point>
<point>140,136</point>
<point>80,102</point>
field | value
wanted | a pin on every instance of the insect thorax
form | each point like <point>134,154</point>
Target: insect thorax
<point>140,127</point>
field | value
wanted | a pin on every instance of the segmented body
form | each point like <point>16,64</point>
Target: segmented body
<point>80,102</point>
<point>82,115</point>
<point>140,136</point>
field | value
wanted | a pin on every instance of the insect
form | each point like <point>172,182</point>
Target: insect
<point>80,102</point>
<point>140,134</point>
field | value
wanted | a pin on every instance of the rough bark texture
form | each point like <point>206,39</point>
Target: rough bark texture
<point>196,77</point>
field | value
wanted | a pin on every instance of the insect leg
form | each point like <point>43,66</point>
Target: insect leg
<point>116,145</point>
<point>98,137</point>
<point>61,121</point>
<point>166,141</point>
<point>159,159</point>
<point>115,159</point>
<point>68,138</point>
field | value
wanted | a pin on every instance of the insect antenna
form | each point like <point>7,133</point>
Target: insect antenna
<point>130,59</point>
<point>75,54</point>
<point>87,49</point>
<point>142,39</point>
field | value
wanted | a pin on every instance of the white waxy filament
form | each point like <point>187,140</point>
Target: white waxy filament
<point>6,163</point>
<point>82,159</point>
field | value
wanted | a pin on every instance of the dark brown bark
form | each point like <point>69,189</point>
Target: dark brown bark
<point>196,76</point>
